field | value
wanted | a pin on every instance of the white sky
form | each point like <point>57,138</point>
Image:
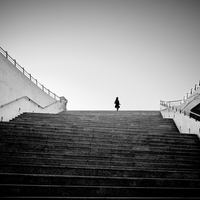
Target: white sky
<point>92,51</point>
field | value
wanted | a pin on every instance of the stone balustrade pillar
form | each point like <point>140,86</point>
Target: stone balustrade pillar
<point>64,102</point>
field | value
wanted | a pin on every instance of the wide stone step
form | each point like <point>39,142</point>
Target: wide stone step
<point>143,164</point>
<point>79,126</point>
<point>144,143</point>
<point>41,179</point>
<point>112,153</point>
<point>107,156</point>
<point>137,154</point>
<point>119,140</point>
<point>100,138</point>
<point>103,162</point>
<point>95,119</point>
<point>6,128</point>
<point>159,124</point>
<point>49,146</point>
<point>106,171</point>
<point>131,123</point>
<point>125,131</point>
<point>142,139</point>
<point>131,126</point>
<point>95,191</point>
<point>94,115</point>
<point>113,114</point>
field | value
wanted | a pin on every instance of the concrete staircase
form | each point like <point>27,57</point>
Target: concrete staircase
<point>98,155</point>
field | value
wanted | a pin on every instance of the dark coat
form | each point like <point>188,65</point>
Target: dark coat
<point>117,103</point>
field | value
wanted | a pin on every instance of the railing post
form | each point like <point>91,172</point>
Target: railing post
<point>6,54</point>
<point>15,62</point>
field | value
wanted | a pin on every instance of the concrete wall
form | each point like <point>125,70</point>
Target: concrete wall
<point>184,123</point>
<point>14,84</point>
<point>24,104</point>
<point>16,89</point>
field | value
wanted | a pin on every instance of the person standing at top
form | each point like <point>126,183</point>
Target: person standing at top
<point>117,103</point>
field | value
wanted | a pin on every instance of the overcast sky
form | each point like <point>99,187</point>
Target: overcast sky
<point>92,51</point>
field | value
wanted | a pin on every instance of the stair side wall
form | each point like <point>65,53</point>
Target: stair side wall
<point>184,123</point>
<point>15,85</point>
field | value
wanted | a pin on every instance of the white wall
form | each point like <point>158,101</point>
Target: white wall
<point>14,85</point>
<point>184,123</point>
<point>25,104</point>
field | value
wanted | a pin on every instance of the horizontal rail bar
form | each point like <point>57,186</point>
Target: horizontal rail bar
<point>25,97</point>
<point>184,111</point>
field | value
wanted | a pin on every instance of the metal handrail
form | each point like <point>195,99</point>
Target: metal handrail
<point>25,97</point>
<point>29,76</point>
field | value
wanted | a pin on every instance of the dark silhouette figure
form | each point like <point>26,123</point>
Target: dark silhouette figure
<point>117,104</point>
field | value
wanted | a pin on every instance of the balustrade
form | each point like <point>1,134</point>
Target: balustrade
<point>28,75</point>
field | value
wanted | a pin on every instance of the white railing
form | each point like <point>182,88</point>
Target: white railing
<point>170,105</point>
<point>25,97</point>
<point>29,76</point>
<point>24,104</point>
<point>191,92</point>
<point>176,105</point>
